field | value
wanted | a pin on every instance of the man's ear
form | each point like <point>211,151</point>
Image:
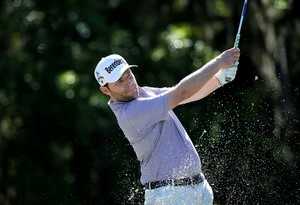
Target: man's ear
<point>105,90</point>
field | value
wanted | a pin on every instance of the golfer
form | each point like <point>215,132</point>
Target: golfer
<point>170,166</point>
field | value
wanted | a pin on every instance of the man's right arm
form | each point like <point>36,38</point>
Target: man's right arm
<point>192,83</point>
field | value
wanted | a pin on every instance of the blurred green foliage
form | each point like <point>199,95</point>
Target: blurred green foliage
<point>60,142</point>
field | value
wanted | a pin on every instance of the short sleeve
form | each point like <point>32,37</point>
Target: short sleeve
<point>142,113</point>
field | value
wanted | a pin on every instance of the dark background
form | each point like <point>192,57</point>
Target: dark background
<point>60,142</point>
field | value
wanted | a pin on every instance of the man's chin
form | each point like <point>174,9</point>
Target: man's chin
<point>131,97</point>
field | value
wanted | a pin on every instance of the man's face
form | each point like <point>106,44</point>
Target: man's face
<point>125,89</point>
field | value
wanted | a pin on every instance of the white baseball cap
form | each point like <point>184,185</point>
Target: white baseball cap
<point>110,69</point>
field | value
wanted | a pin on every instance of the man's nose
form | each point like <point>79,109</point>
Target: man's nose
<point>128,82</point>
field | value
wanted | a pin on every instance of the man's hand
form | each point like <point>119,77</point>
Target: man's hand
<point>229,59</point>
<point>226,75</point>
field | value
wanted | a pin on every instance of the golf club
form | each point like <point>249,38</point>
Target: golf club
<point>238,35</point>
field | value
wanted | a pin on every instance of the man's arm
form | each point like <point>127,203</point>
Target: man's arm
<point>208,88</point>
<point>194,82</point>
<point>221,78</point>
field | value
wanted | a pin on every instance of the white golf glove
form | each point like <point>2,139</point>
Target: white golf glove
<point>226,75</point>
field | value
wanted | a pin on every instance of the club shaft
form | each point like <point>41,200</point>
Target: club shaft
<point>238,36</point>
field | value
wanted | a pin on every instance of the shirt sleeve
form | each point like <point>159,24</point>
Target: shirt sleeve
<point>142,113</point>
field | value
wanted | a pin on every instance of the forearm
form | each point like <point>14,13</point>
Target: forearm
<point>193,83</point>
<point>208,88</point>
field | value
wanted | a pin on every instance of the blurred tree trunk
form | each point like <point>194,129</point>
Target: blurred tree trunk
<point>270,58</point>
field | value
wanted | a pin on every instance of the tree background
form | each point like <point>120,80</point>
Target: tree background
<point>60,142</point>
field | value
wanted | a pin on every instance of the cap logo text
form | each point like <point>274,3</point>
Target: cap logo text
<point>115,64</point>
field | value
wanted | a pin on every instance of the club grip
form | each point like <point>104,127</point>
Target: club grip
<point>237,40</point>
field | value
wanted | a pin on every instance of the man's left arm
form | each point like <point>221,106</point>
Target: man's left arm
<point>221,78</point>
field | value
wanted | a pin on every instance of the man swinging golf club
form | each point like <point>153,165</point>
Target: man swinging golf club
<point>169,163</point>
